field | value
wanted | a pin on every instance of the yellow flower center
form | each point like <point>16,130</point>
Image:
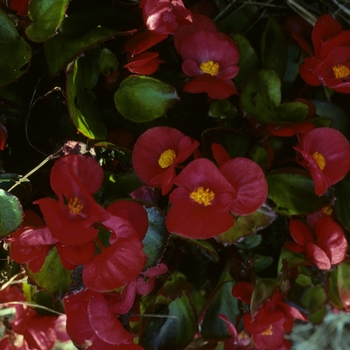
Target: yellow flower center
<point>341,71</point>
<point>202,196</point>
<point>321,162</point>
<point>328,210</point>
<point>167,158</point>
<point>210,67</point>
<point>74,205</point>
<point>267,331</point>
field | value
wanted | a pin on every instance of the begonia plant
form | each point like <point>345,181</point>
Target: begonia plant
<point>173,174</point>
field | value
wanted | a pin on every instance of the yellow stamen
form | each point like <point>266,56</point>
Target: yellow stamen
<point>74,205</point>
<point>341,71</point>
<point>167,158</point>
<point>202,196</point>
<point>321,162</point>
<point>328,210</point>
<point>267,331</point>
<point>210,67</point>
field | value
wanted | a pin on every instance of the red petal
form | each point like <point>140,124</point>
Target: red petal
<point>115,267</point>
<point>219,153</point>
<point>300,232</point>
<point>248,179</point>
<point>316,255</point>
<point>243,291</point>
<point>142,41</point>
<point>105,323</point>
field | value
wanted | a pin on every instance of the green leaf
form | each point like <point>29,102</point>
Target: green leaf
<point>176,332</point>
<point>108,62</point>
<point>11,213</point>
<point>213,328</point>
<point>342,204</point>
<point>222,109</point>
<point>84,29</point>
<point>248,225</point>
<point>143,99</point>
<point>264,288</point>
<point>314,299</point>
<point>156,238</point>
<point>81,77</point>
<point>261,97</point>
<point>15,52</point>
<point>288,193</point>
<point>173,288</point>
<point>52,277</point>
<point>344,283</point>
<point>333,291</point>
<point>273,47</point>
<point>46,16</point>
<point>248,61</point>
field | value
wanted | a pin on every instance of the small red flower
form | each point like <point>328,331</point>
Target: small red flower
<point>157,153</point>
<point>163,17</point>
<point>330,63</point>
<point>200,205</point>
<point>211,58</point>
<point>323,241</point>
<point>326,154</point>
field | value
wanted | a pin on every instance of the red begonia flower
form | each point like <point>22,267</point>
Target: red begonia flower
<point>243,291</point>
<point>330,64</point>
<point>92,324</point>
<point>74,178</point>
<point>211,58</point>
<point>200,205</point>
<point>326,154</point>
<point>199,22</point>
<point>248,179</point>
<point>163,17</point>
<point>156,154</point>
<point>324,244</point>
<point>144,63</point>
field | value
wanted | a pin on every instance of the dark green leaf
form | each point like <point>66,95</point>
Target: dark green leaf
<point>314,299</point>
<point>213,328</point>
<point>15,52</point>
<point>52,277</point>
<point>273,47</point>
<point>46,16</point>
<point>143,99</point>
<point>156,238</point>
<point>288,193</point>
<point>342,204</point>
<point>248,60</point>
<point>81,77</point>
<point>344,283</point>
<point>108,62</point>
<point>248,225</point>
<point>11,213</point>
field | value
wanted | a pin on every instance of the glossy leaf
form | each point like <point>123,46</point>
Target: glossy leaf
<point>273,47</point>
<point>213,328</point>
<point>261,98</point>
<point>248,60</point>
<point>143,99</point>
<point>156,238</point>
<point>81,77</point>
<point>46,17</point>
<point>52,277</point>
<point>108,62</point>
<point>175,330</point>
<point>85,29</point>
<point>344,283</point>
<point>342,204</point>
<point>288,193</point>
<point>248,225</point>
<point>15,51</point>
<point>11,213</point>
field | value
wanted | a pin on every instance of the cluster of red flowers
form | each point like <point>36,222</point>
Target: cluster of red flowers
<point>106,242</point>
<point>210,57</point>
<point>207,196</point>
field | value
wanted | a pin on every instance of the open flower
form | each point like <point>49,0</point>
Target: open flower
<point>200,205</point>
<point>211,58</point>
<point>156,154</point>
<point>326,154</point>
<point>163,17</point>
<point>330,63</point>
<point>323,241</point>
